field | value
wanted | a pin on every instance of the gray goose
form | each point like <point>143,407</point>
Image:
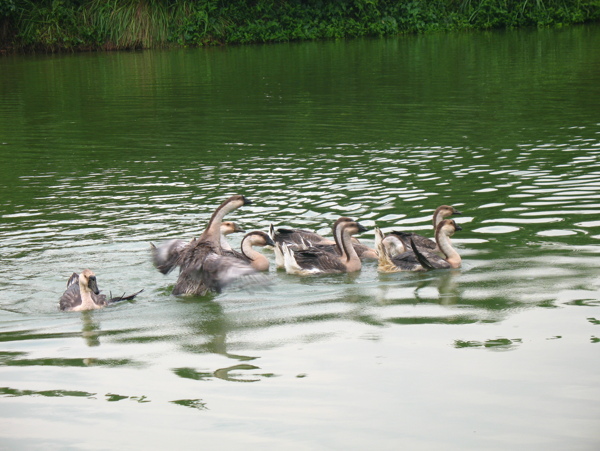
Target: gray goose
<point>166,255</point>
<point>419,259</point>
<point>440,213</point>
<point>298,239</point>
<point>431,260</point>
<point>203,263</point>
<point>82,293</point>
<point>316,260</point>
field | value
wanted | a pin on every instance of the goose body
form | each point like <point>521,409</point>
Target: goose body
<point>451,259</point>
<point>440,213</point>
<point>315,259</point>
<point>300,239</point>
<point>393,256</point>
<point>166,255</point>
<point>416,258</point>
<point>82,293</point>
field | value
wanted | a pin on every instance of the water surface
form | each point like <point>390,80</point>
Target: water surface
<point>101,154</point>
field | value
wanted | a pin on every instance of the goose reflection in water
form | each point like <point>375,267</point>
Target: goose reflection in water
<point>441,287</point>
<point>90,330</point>
<point>446,283</point>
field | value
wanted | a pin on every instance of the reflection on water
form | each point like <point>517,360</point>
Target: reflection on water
<point>496,125</point>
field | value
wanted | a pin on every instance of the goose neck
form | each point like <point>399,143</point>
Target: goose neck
<point>445,245</point>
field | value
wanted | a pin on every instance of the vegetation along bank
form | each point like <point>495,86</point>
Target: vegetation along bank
<point>55,25</point>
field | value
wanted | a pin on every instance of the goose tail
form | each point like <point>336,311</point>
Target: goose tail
<point>124,297</point>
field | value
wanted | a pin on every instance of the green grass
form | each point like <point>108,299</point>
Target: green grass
<point>53,25</point>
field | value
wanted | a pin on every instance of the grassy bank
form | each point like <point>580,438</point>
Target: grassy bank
<point>54,25</point>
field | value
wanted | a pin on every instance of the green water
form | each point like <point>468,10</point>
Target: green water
<point>101,154</point>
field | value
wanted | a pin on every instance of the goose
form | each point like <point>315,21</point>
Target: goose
<point>298,239</point>
<point>201,261</point>
<point>419,259</point>
<point>431,260</point>
<point>439,214</point>
<point>257,260</point>
<point>82,294</point>
<point>219,271</point>
<point>393,255</point>
<point>315,260</point>
<point>227,228</point>
<point>166,255</point>
<point>297,236</point>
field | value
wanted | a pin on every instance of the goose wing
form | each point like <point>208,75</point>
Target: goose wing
<point>73,280</point>
<point>191,261</point>
<point>71,298</point>
<point>316,260</point>
<point>220,271</point>
<point>166,256</point>
<point>421,241</point>
<point>407,261</point>
<point>427,259</point>
<point>297,236</point>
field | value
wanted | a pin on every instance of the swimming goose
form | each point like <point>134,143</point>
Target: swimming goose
<point>298,239</point>
<point>431,260</point>
<point>194,277</point>
<point>295,239</point>
<point>227,228</point>
<point>439,214</point>
<point>297,236</point>
<point>315,259</point>
<point>419,259</point>
<point>82,294</point>
<point>393,256</point>
<point>257,260</point>
<point>166,255</point>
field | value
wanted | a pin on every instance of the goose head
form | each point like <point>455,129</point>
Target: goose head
<point>346,227</point>
<point>448,227</point>
<point>87,282</point>
<point>258,239</point>
<point>353,227</point>
<point>237,201</point>
<point>229,227</point>
<point>443,211</point>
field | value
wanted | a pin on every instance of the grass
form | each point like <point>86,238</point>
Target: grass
<point>53,25</point>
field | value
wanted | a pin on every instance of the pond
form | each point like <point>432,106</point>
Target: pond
<point>102,154</point>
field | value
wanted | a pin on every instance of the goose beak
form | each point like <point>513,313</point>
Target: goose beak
<point>269,241</point>
<point>93,285</point>
<point>246,201</point>
<point>456,212</point>
<point>361,228</point>
<point>458,227</point>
